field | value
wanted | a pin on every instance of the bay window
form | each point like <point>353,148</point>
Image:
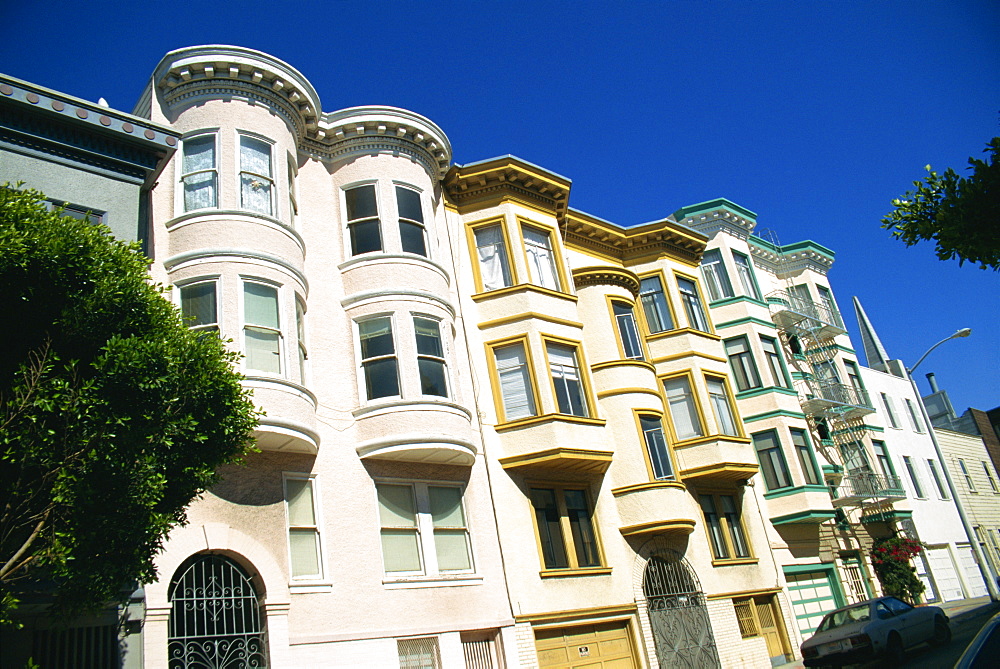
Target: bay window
<point>683,408</point>
<point>654,305</point>
<point>725,526</point>
<point>491,251</point>
<point>627,330</point>
<point>199,306</point>
<point>541,260</point>
<point>772,460</point>
<point>806,462</point>
<point>774,364</point>
<point>378,357</point>
<point>256,180</point>
<point>412,234</point>
<point>430,357</point>
<point>514,378</point>
<point>714,272</point>
<point>656,446</point>
<point>362,219</point>
<point>718,394</point>
<point>300,329</point>
<point>566,380</point>
<point>199,172</point>
<point>742,364</point>
<point>744,271</point>
<point>261,328</point>
<point>692,304</point>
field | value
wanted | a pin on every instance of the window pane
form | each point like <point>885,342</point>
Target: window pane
<point>654,305</point>
<point>304,549</point>
<point>656,445</point>
<point>720,406</point>
<point>583,532</point>
<point>692,304</point>
<point>400,550</point>
<point>199,157</point>
<point>446,506</point>
<point>263,350</point>
<point>735,526</point>
<point>366,237</point>
<point>255,165</point>
<point>566,378</point>
<point>742,363</point>
<point>199,153</point>
<point>198,304</point>
<point>772,460</point>
<point>300,502</point>
<point>627,330</point>
<point>409,204</point>
<point>381,378</point>
<point>715,275</point>
<point>541,263</point>
<point>396,506</point>
<point>452,547</point>
<point>261,305</point>
<point>428,333</point>
<point>412,238</point>
<point>432,378</point>
<point>492,251</point>
<point>745,272</point>
<point>376,337</point>
<point>714,526</point>
<point>806,461</point>
<point>361,203</point>
<point>549,528</point>
<point>683,413</point>
<point>515,385</point>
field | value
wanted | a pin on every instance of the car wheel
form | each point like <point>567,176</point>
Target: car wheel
<point>894,650</point>
<point>942,632</point>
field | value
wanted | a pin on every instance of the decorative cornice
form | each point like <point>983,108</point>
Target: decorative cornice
<point>791,258</point>
<point>596,236</point>
<point>606,276</point>
<point>487,183</point>
<point>718,215</point>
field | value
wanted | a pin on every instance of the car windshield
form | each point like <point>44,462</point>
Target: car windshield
<point>860,613</point>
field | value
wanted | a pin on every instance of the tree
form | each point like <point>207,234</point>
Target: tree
<point>961,214</point>
<point>113,414</point>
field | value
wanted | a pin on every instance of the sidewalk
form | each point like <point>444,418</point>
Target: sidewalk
<point>956,611</point>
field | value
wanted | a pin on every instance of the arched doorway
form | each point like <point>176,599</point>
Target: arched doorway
<point>215,617</point>
<point>682,631</point>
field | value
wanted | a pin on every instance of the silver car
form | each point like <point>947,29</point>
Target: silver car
<point>879,628</point>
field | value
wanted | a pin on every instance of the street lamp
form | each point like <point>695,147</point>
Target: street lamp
<point>991,584</point>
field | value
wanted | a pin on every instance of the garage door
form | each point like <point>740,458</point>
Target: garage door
<point>944,573</point>
<point>601,646</point>
<point>970,568</point>
<point>812,595</point>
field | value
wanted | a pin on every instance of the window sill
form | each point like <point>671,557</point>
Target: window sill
<point>522,288</point>
<point>567,573</point>
<point>439,581</point>
<point>549,417</point>
<point>734,562</point>
<point>681,331</point>
<point>697,441</point>
<point>308,588</point>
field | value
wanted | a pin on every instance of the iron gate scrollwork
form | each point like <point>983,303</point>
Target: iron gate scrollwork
<point>682,631</point>
<point>215,620</point>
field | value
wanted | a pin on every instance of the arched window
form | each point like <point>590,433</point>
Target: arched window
<point>215,620</point>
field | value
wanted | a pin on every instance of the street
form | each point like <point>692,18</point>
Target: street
<point>963,629</point>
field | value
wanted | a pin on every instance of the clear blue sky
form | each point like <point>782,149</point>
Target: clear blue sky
<point>815,115</point>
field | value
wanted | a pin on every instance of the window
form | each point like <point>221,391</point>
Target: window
<point>721,407</point>
<point>303,529</point>
<point>378,357</point>
<point>692,304</point>
<point>855,460</point>
<point>362,219</point>
<point>423,529</point>
<point>541,261</point>
<point>300,329</point>
<point>565,531</point>
<point>827,303</point>
<point>423,653</point>
<point>914,478</point>
<point>915,421</point>
<point>826,372</point>
<point>199,175</point>
<point>806,462</point>
<point>774,364</point>
<point>411,221</point>
<point>199,306</point>
<point>801,300</point>
<point>566,379</point>
<point>989,477</point>
<point>741,361</point>
<point>683,408</point>
<point>932,466</point>
<point>77,211</point>
<point>725,527</point>
<point>745,272</point>
<point>854,378</point>
<point>256,183</point>
<point>430,357</point>
<point>714,273</point>
<point>654,305</point>
<point>627,331</point>
<point>968,477</point>
<point>890,410</point>
<point>772,461</point>
<point>261,330</point>
<point>884,461</point>
<point>656,446</point>
<point>515,381</point>
<point>293,204</point>
<point>494,265</point>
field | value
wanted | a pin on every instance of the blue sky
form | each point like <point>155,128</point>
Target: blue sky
<point>814,115</point>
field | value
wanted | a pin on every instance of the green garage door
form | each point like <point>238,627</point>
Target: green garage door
<point>813,594</point>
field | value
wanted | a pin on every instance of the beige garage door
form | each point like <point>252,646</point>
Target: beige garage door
<point>601,646</point>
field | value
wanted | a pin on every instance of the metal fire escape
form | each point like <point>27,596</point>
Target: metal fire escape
<point>835,409</point>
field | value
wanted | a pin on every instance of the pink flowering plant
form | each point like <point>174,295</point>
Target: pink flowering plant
<point>892,561</point>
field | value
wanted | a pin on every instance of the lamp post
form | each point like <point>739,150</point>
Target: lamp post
<point>991,584</point>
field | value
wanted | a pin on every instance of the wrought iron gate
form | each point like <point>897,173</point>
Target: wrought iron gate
<point>682,631</point>
<point>215,618</point>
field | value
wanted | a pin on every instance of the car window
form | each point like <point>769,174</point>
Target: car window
<point>897,606</point>
<point>882,611</point>
<point>854,614</point>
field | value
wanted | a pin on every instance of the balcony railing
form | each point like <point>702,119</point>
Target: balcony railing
<point>846,401</point>
<point>795,314</point>
<point>859,486</point>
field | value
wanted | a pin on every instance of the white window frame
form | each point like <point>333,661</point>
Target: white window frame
<point>890,411</point>
<point>245,326</point>
<point>968,477</point>
<point>215,280</point>
<point>180,200</point>
<point>715,276</point>
<point>566,375</point>
<point>269,178</point>
<point>911,470</point>
<point>745,272</point>
<point>300,336</point>
<point>362,374</point>
<point>501,254</point>
<point>424,529</point>
<point>379,209</point>
<point>316,527</point>
<point>722,406</point>
<point>442,359</point>
<point>533,260</point>
<point>990,477</point>
<point>915,421</point>
<point>422,224</point>
<point>936,477</point>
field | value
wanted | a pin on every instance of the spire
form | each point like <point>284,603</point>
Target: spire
<point>874,350</point>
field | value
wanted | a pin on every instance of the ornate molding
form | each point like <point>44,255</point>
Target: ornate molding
<point>484,184</point>
<point>607,276</point>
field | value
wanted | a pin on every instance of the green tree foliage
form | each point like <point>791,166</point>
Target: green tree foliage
<point>962,215</point>
<point>891,559</point>
<point>113,414</point>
